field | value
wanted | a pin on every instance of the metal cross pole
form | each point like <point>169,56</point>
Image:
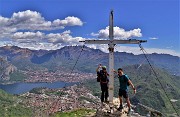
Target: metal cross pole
<point>111,43</point>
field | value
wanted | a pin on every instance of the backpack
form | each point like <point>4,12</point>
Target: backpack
<point>125,79</point>
<point>99,76</point>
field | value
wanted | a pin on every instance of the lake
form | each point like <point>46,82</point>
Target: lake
<point>19,88</point>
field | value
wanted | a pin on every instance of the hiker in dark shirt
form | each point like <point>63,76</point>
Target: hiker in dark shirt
<point>103,77</point>
<point>124,82</point>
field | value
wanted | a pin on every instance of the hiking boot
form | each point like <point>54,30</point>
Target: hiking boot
<point>102,104</point>
<point>106,101</point>
<point>120,108</point>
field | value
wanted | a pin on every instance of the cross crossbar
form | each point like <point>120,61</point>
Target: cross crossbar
<point>130,41</point>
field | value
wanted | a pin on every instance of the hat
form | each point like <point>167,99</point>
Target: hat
<point>103,67</point>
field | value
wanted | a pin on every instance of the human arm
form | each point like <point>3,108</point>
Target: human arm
<point>132,86</point>
<point>99,66</point>
<point>115,73</point>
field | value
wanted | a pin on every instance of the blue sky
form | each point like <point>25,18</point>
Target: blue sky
<point>51,24</point>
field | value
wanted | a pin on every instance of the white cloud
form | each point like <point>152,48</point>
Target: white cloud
<point>4,29</point>
<point>5,32</point>
<point>43,46</point>
<point>153,38</point>
<point>102,47</point>
<point>28,35</point>
<point>119,33</point>
<point>3,21</point>
<point>29,20</point>
<point>94,34</point>
<point>32,46</point>
<point>68,21</point>
<point>33,21</point>
<point>65,38</point>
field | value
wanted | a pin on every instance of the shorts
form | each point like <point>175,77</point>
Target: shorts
<point>123,93</point>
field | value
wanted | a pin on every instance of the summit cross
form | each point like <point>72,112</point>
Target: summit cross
<point>111,43</point>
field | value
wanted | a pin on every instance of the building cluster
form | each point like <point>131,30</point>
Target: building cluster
<point>48,101</point>
<point>46,76</point>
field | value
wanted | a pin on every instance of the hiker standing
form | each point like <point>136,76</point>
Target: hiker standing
<point>103,79</point>
<point>124,82</point>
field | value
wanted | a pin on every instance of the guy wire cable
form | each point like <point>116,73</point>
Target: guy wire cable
<point>157,78</point>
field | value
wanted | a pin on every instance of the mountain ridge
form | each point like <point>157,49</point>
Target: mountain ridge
<point>89,59</point>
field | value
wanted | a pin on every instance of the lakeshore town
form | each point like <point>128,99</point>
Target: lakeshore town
<point>59,75</point>
<point>48,101</point>
<point>45,101</point>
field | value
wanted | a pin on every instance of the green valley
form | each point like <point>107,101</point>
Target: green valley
<point>12,106</point>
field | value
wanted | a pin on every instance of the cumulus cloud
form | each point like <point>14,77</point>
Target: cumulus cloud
<point>28,35</point>
<point>38,46</point>
<point>28,20</point>
<point>64,38</point>
<point>4,29</point>
<point>5,32</point>
<point>3,21</point>
<point>68,21</point>
<point>119,33</point>
<point>33,21</point>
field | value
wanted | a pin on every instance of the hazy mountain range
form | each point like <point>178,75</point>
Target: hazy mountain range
<point>88,60</point>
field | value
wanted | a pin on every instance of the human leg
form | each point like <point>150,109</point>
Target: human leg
<point>102,92</point>
<point>106,93</point>
<point>120,100</point>
<point>128,103</point>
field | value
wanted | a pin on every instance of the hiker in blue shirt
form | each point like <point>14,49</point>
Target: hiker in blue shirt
<point>124,82</point>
